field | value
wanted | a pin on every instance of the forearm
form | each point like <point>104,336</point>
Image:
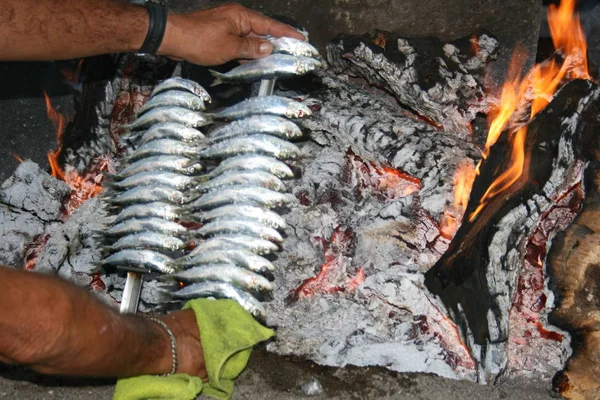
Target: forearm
<point>55,327</point>
<point>63,29</point>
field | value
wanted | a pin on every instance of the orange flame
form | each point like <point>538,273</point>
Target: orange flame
<point>463,181</point>
<point>539,87</point>
<point>17,157</point>
<point>58,120</point>
<point>83,187</point>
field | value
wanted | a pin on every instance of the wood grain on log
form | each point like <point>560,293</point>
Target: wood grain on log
<point>574,266</point>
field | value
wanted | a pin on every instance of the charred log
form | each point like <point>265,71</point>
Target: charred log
<point>477,276</point>
<point>441,82</point>
<point>574,266</point>
<point>113,89</point>
<point>348,116</point>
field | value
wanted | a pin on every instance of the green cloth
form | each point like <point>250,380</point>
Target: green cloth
<point>227,333</point>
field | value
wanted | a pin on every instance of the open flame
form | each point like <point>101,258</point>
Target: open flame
<point>537,88</point>
<point>83,187</point>
<point>58,120</point>
<point>462,182</point>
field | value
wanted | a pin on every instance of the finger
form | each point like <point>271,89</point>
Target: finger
<point>252,47</point>
<point>263,25</point>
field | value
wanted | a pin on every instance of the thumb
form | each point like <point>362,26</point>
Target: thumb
<point>253,47</point>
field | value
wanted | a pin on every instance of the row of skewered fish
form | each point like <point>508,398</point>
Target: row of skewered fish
<point>228,180</point>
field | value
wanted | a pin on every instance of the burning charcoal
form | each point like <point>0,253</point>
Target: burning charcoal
<point>30,202</point>
<point>477,277</point>
<point>377,129</point>
<point>33,190</point>
<point>438,81</point>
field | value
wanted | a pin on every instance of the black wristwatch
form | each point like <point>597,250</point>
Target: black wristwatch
<point>157,13</point>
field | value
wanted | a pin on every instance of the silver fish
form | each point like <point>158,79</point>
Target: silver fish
<point>173,98</point>
<point>253,244</point>
<point>152,178</point>
<point>240,257</point>
<point>151,224</point>
<point>163,147</point>
<point>172,130</point>
<point>271,67</point>
<point>228,273</point>
<point>148,241</point>
<point>254,178</point>
<point>237,225</point>
<point>265,216</point>
<point>222,290</point>
<point>258,143</point>
<point>145,259</point>
<point>165,211</point>
<point>243,195</point>
<point>253,162</point>
<point>178,164</point>
<point>178,115</point>
<point>294,47</point>
<point>147,194</point>
<point>181,84</point>
<point>270,105</point>
<point>268,124</point>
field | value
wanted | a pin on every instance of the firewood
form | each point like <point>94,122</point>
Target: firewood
<point>477,277</point>
<point>574,267</point>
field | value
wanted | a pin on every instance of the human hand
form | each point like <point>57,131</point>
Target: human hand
<point>216,35</point>
<point>190,355</point>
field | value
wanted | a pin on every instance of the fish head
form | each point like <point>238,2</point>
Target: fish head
<point>307,64</point>
<point>307,50</point>
<point>291,130</point>
<point>296,109</point>
<point>193,168</point>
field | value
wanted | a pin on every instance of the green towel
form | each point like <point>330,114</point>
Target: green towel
<point>227,333</point>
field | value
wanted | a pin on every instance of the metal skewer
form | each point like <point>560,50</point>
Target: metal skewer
<point>266,87</point>
<point>131,293</point>
<point>133,285</point>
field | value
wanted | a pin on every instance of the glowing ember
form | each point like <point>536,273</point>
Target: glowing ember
<point>332,276</point>
<point>83,187</point>
<point>539,87</point>
<point>97,284</point>
<point>33,250</point>
<point>463,181</point>
<point>531,305</point>
<point>389,183</point>
<point>130,98</point>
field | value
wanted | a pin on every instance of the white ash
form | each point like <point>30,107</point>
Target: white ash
<point>32,190</point>
<point>387,134</point>
<point>73,250</point>
<point>30,200</point>
<point>445,87</point>
<point>356,328</point>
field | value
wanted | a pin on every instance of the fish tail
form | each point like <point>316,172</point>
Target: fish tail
<point>219,77</point>
<point>163,293</point>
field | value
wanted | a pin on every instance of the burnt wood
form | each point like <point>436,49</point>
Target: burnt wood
<point>476,277</point>
<point>443,82</point>
<point>574,268</point>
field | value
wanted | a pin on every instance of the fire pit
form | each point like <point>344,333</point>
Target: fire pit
<point>418,241</point>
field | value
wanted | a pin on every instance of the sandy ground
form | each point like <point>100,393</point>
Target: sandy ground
<point>273,377</point>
